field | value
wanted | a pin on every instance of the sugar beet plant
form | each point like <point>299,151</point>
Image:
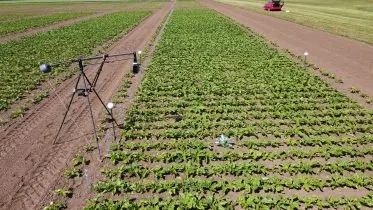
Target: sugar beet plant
<point>20,59</point>
<point>36,21</point>
<point>14,17</point>
<point>289,131</point>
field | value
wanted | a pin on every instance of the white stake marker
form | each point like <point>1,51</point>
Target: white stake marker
<point>305,58</point>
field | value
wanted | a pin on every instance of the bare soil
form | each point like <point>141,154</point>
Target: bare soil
<point>33,31</point>
<point>30,164</point>
<point>348,59</point>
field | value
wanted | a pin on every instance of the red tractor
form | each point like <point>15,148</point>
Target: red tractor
<point>274,5</point>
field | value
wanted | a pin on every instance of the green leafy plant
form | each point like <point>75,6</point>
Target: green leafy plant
<point>354,90</point>
<point>36,21</point>
<point>293,131</point>
<point>64,192</point>
<point>79,159</point>
<point>224,141</point>
<point>55,206</point>
<point>39,97</point>
<point>73,172</point>
<point>89,148</point>
<point>18,112</point>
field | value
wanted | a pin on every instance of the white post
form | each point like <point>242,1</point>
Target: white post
<point>139,52</point>
<point>111,106</point>
<point>87,180</point>
<point>305,58</point>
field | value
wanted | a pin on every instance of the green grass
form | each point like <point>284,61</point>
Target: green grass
<point>352,19</point>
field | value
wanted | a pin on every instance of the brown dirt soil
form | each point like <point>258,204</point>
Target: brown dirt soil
<point>29,164</point>
<point>349,60</point>
<point>33,31</point>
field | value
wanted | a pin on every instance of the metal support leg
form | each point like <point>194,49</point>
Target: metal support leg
<point>90,106</point>
<point>99,98</point>
<point>113,124</point>
<point>68,108</point>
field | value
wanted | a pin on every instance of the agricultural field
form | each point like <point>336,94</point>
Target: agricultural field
<point>19,24</point>
<point>217,118</point>
<point>64,1</point>
<point>11,17</point>
<point>21,58</point>
<point>17,8</point>
<point>71,40</point>
<point>352,19</point>
<point>223,121</point>
<point>50,7</point>
<point>125,28</point>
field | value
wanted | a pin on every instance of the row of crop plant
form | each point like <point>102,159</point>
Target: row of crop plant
<point>287,134</point>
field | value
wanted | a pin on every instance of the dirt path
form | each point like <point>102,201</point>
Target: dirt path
<point>33,31</point>
<point>29,163</point>
<point>350,60</point>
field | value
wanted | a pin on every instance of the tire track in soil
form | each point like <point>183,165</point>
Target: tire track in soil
<point>14,36</point>
<point>29,163</point>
